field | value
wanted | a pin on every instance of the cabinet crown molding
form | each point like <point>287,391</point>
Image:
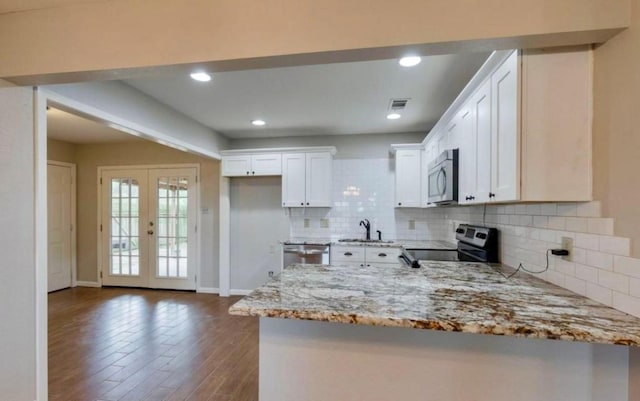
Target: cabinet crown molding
<point>406,146</point>
<point>236,152</point>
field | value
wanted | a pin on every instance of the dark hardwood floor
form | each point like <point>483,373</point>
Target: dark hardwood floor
<point>131,344</point>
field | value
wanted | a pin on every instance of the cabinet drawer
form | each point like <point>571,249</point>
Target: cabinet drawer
<point>383,255</point>
<point>350,255</point>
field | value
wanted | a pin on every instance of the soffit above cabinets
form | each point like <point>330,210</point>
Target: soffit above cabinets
<point>329,99</point>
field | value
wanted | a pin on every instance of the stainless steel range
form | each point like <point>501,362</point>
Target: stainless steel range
<point>475,244</point>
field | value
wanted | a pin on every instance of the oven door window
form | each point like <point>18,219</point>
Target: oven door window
<point>437,182</point>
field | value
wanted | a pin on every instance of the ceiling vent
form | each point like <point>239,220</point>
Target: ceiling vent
<point>398,104</point>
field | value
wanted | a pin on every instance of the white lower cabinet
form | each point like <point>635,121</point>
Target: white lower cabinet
<point>307,179</point>
<point>360,256</point>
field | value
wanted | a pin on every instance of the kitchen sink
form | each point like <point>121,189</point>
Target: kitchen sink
<point>366,241</point>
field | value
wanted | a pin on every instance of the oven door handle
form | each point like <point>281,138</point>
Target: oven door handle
<point>441,173</point>
<point>405,259</point>
<point>472,256</point>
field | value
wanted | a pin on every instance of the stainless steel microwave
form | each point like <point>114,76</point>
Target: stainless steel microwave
<point>443,178</point>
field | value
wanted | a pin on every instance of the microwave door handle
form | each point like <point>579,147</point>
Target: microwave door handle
<point>442,172</point>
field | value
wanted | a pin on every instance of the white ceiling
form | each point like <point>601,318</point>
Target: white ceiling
<point>68,127</point>
<point>329,99</point>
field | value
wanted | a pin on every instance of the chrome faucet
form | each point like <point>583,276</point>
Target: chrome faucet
<point>367,226</point>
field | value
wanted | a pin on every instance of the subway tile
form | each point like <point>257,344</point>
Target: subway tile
<point>564,267</point>
<point>587,241</point>
<point>534,209</point>
<point>540,221</point>
<point>626,303</point>
<point>549,209</point>
<point>600,226</point>
<point>600,294</point>
<point>634,287</point>
<point>556,223</point>
<point>600,260</point>
<point>520,209</point>
<point>589,209</point>
<point>576,285</point>
<point>616,245</point>
<point>579,255</point>
<point>587,273</point>
<point>567,209</point>
<point>626,265</point>
<point>555,278</point>
<point>576,224</point>
<point>614,281</point>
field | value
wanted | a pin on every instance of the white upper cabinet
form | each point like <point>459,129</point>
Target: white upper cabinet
<point>505,134</point>
<point>307,179</point>
<point>293,180</point>
<point>236,166</point>
<point>319,174</point>
<point>266,164</point>
<point>523,127</point>
<point>247,165</point>
<point>408,178</point>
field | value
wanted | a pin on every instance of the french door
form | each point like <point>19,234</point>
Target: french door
<point>148,223</point>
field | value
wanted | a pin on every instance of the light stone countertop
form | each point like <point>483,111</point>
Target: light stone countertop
<point>406,244</point>
<point>448,296</point>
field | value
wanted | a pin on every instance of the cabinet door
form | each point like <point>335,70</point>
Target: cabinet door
<point>481,103</point>
<point>319,178</point>
<point>266,164</point>
<point>408,178</point>
<point>443,140</point>
<point>467,155</point>
<point>293,179</point>
<point>236,166</point>
<point>505,166</point>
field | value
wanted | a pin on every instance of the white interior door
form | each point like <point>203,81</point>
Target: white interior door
<point>149,228</point>
<point>172,228</point>
<point>60,230</point>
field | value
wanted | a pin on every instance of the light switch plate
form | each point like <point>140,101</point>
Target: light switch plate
<point>412,224</point>
<point>324,223</point>
<point>306,223</point>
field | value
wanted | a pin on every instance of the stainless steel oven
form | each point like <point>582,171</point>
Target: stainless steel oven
<point>443,178</point>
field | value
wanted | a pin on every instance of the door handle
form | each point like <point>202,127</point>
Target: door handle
<point>150,232</point>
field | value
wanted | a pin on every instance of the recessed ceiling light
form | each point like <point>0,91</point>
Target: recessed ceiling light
<point>410,61</point>
<point>201,76</point>
<point>393,116</point>
<point>258,122</point>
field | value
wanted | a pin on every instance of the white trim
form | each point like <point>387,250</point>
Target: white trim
<point>115,122</point>
<point>240,292</point>
<point>224,217</point>
<point>198,241</point>
<point>208,290</point>
<point>74,232</point>
<point>41,243</point>
<point>494,60</point>
<point>93,284</point>
<point>331,149</point>
<point>406,146</point>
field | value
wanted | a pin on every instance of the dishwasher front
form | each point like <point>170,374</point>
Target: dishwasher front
<point>304,254</point>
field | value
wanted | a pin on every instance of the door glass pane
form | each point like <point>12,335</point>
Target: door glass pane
<point>124,227</point>
<point>172,243</point>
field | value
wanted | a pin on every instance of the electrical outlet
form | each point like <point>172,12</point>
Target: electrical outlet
<point>270,273</point>
<point>567,243</point>
<point>306,223</point>
<point>412,224</point>
<point>324,223</point>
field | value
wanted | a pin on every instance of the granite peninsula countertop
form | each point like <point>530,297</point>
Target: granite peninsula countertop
<point>448,296</point>
<point>406,244</point>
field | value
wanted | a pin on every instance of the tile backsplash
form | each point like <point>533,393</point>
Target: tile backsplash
<point>600,267</point>
<point>364,189</point>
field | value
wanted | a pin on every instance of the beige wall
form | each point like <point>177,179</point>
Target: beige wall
<point>90,36</point>
<point>617,129</point>
<point>61,151</point>
<point>90,157</point>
